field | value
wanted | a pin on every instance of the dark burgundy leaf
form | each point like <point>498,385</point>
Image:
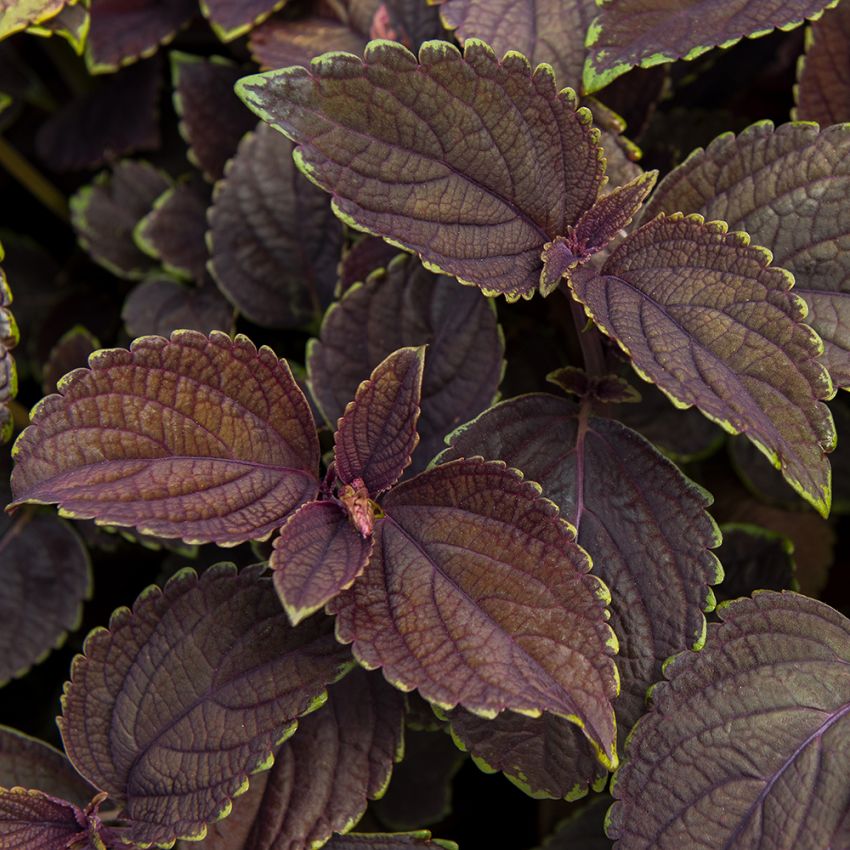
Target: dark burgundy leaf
<point>29,763</point>
<point>366,256</point>
<point>185,696</point>
<point>97,128</point>
<point>753,559</point>
<point>72,23</point>
<point>704,316</point>
<point>787,188</point>
<point>106,212</point>
<point>161,305</point>
<point>643,523</point>
<point>279,43</point>
<point>123,31</point>
<point>413,21</point>
<point>318,554</point>
<point>635,96</point>
<point>470,549</point>
<point>274,241</point>
<point>607,389</point>
<point>583,830</point>
<point>541,755</point>
<point>232,18</point>
<point>212,120</point>
<point>822,93</point>
<point>425,154</point>
<point>421,789</point>
<point>649,32</point>
<point>20,14</point>
<point>229,452</point>
<point>359,14</point>
<point>9,338</point>
<point>46,577</point>
<point>551,31</point>
<point>174,231</point>
<point>340,757</point>
<point>71,352</point>
<point>377,433</point>
<point>407,306</point>
<point>396,841</point>
<point>758,723</point>
<point>31,820</point>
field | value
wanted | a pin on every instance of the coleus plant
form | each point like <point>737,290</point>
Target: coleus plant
<point>516,574</point>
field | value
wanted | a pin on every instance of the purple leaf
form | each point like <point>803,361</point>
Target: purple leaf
<point>29,763</point>
<point>704,316</point>
<point>70,352</point>
<point>649,32</point>
<point>123,31</point>
<point>367,255</point>
<point>279,43</point>
<point>413,21</point>
<point>340,757</point>
<point>787,188</point>
<point>644,524</point>
<point>204,438</point>
<point>232,18</point>
<point>407,305</point>
<point>160,305</point>
<point>274,241</point>
<point>174,231</point>
<point>184,697</point>
<point>425,154</point>
<point>389,841</point>
<point>212,120</point>
<point>541,755</point>
<point>96,128</point>
<point>822,92</point>
<point>31,820</point>
<point>9,338</point>
<point>105,213</point>
<point>46,577</point>
<point>551,31</point>
<point>377,433</point>
<point>478,596</point>
<point>72,23</point>
<point>421,789</point>
<point>754,559</point>
<point>318,554</point>
<point>758,723</point>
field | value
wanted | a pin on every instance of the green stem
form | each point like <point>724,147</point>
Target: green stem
<point>33,180</point>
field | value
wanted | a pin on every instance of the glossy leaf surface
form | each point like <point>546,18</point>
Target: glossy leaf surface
<point>185,696</point>
<point>231,451</point>
<point>30,820</point>
<point>822,93</point>
<point>787,188</point>
<point>703,316</point>
<point>341,756</point>
<point>212,120</point>
<point>477,595</point>
<point>424,154</point>
<point>122,31</point>
<point>275,243</point>
<point>643,523</point>
<point>232,18</point>
<point>777,662</point>
<point>105,213</point>
<point>377,434</point>
<point>46,577</point>
<point>26,762</point>
<point>318,554</point>
<point>551,31</point>
<point>279,43</point>
<point>160,305</point>
<point>406,306</point>
<point>648,32</point>
<point>541,755</point>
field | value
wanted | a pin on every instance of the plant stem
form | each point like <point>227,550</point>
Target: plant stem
<point>590,341</point>
<point>33,180</point>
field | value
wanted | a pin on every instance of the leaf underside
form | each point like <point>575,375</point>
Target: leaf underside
<point>627,33</point>
<point>425,155</point>
<point>822,92</point>
<point>702,315</point>
<point>477,595</point>
<point>203,438</point>
<point>185,696</point>
<point>777,661</point>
